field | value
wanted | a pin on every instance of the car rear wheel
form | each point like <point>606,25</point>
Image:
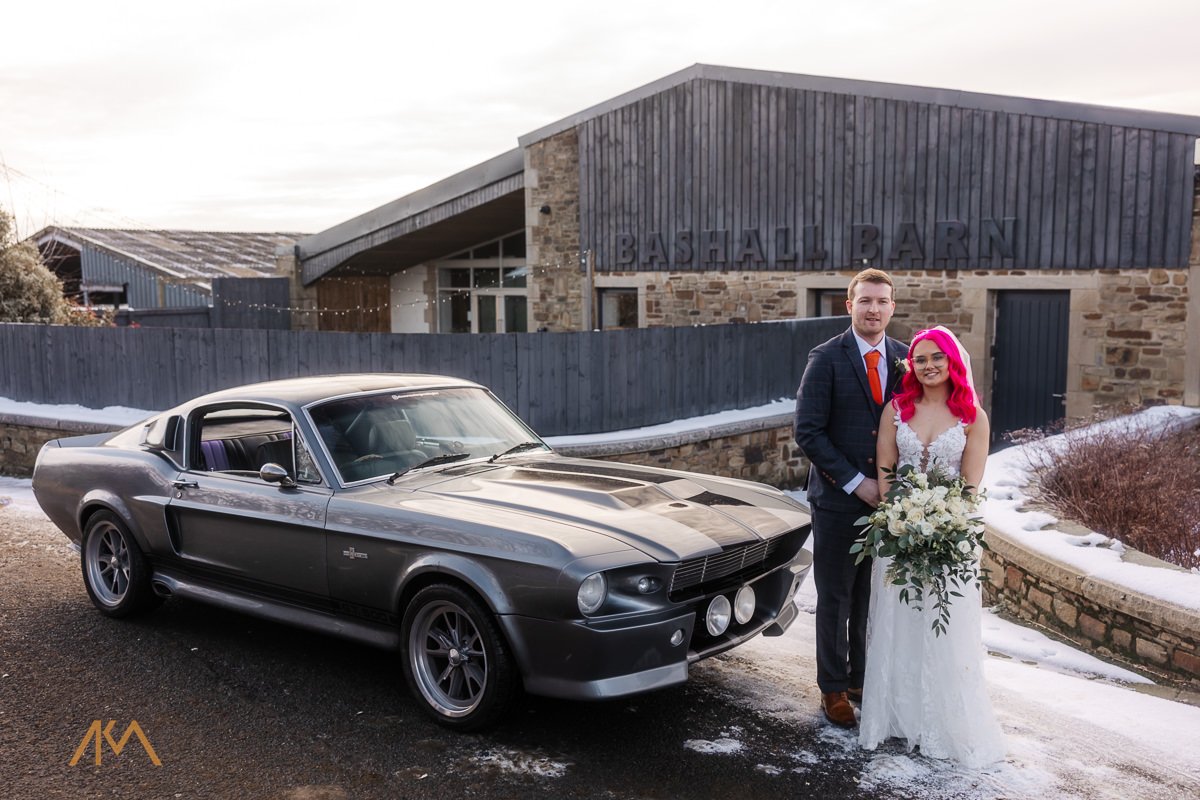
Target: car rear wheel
<point>456,659</point>
<point>114,570</point>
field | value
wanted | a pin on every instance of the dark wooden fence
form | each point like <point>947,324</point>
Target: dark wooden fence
<point>236,303</point>
<point>560,383</point>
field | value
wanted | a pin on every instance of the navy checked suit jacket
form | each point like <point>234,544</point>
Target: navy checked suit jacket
<point>837,420</point>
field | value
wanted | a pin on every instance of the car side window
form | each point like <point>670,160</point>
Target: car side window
<point>239,440</point>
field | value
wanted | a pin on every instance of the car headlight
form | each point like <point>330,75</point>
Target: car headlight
<point>743,605</point>
<point>592,592</point>
<point>717,618</point>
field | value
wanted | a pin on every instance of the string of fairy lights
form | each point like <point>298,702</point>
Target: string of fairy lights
<point>446,294</point>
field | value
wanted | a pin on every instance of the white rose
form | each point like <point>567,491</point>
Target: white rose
<point>964,546</point>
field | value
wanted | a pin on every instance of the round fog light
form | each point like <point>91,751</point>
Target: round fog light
<point>743,605</point>
<point>677,637</point>
<point>717,618</point>
<point>648,585</point>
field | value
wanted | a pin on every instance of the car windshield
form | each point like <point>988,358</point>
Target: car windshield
<point>377,435</point>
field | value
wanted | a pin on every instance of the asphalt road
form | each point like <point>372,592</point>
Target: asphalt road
<point>234,707</point>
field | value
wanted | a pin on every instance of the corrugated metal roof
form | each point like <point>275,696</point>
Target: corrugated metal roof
<point>182,255</point>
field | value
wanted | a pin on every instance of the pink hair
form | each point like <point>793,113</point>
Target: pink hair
<point>962,398</point>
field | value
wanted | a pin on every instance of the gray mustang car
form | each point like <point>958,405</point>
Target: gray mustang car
<point>418,513</point>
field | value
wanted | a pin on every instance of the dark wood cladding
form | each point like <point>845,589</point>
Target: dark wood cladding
<point>354,305</point>
<point>784,170</point>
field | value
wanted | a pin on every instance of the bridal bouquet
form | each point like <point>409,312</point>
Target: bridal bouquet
<point>929,526</point>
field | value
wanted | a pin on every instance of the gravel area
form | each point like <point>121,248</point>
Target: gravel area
<point>234,707</point>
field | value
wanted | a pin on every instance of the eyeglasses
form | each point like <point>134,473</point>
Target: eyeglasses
<point>938,359</point>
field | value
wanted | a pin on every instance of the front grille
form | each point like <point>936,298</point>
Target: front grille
<point>743,560</point>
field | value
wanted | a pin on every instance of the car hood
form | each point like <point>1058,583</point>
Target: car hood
<point>668,515</point>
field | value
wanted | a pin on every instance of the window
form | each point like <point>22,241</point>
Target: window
<point>484,289</point>
<point>828,302</point>
<point>239,440</point>
<point>96,295</point>
<point>369,436</point>
<point>618,308</point>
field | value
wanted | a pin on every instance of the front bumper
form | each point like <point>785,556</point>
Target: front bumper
<point>599,659</point>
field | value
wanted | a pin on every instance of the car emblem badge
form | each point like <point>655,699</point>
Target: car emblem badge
<point>353,554</point>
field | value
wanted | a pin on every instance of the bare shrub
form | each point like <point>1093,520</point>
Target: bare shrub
<point>30,292</point>
<point>1135,484</point>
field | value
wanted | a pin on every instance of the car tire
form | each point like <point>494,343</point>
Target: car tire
<point>456,661</point>
<point>115,572</point>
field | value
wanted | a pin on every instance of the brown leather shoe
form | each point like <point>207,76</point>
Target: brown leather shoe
<point>854,695</point>
<point>838,710</point>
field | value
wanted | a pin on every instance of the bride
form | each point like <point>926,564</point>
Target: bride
<point>924,688</point>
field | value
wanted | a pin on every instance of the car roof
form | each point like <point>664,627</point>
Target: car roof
<point>302,391</point>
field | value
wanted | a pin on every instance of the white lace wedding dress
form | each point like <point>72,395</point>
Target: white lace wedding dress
<point>920,687</point>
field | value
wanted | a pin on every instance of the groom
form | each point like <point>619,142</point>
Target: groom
<point>841,397</point>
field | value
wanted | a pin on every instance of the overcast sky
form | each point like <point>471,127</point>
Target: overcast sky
<point>294,116</point>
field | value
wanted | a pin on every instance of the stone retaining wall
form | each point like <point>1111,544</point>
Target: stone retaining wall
<point>759,450</point>
<point>22,437</point>
<point>1113,621</point>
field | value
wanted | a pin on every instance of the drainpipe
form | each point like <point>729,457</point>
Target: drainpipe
<point>589,290</point>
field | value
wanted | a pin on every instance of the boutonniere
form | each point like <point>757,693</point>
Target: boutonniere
<point>901,366</point>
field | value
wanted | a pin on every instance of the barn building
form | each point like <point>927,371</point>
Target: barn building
<point>1058,239</point>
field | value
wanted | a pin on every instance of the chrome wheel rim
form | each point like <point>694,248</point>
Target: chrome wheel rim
<point>107,557</point>
<point>448,659</point>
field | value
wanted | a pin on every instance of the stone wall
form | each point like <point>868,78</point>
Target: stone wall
<point>557,284</point>
<point>764,452</point>
<point>715,297</point>
<point>1140,325</point>
<point>1112,621</point>
<point>303,299</point>
<point>22,437</point>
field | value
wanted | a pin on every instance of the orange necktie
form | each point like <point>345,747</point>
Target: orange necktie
<point>872,359</point>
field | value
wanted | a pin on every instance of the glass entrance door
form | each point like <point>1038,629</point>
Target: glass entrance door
<point>500,312</point>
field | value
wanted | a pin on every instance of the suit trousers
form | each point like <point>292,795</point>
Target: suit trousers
<point>843,599</point>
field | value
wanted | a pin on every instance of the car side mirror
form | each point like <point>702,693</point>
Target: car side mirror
<point>273,473</point>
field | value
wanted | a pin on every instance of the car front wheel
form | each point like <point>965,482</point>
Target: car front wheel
<point>456,659</point>
<point>114,570</point>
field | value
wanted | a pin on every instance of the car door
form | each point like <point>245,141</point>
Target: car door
<point>231,526</point>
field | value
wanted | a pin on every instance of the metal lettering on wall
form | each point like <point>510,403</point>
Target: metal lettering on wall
<point>807,245</point>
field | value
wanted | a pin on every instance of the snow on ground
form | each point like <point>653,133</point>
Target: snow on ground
<point>519,762</point>
<point>1076,726</point>
<point>1093,555</point>
<point>678,426</point>
<point>110,415</point>
<point>17,494</point>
